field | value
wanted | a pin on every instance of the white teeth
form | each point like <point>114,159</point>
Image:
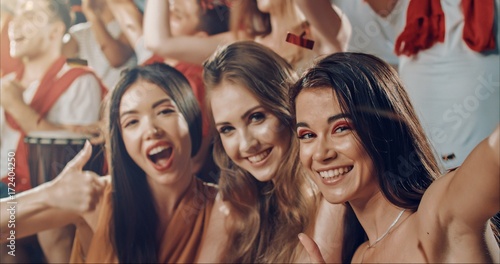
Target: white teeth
<point>157,150</point>
<point>334,173</point>
<point>259,157</point>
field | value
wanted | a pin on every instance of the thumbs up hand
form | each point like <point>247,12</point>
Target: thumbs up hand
<point>74,189</point>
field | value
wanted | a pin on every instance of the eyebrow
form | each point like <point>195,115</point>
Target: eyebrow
<point>157,103</point>
<point>242,116</point>
<point>330,120</point>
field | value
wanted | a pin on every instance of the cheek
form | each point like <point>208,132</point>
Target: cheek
<point>351,148</point>
<point>131,145</point>
<point>305,156</point>
<point>272,131</point>
<point>230,147</point>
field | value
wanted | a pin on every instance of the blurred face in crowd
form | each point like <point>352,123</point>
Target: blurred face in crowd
<point>252,136</point>
<point>33,30</point>
<point>184,17</point>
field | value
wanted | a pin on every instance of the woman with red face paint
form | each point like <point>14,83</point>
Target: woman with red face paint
<point>154,210</point>
<point>265,199</point>
<point>364,147</point>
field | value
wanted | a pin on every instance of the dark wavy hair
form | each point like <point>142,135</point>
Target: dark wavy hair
<point>134,220</point>
<point>265,216</point>
<point>370,92</point>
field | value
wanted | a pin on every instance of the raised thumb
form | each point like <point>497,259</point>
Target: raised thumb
<point>82,157</point>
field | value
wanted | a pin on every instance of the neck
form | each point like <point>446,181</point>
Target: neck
<point>376,216</point>
<point>36,66</point>
<point>168,196</point>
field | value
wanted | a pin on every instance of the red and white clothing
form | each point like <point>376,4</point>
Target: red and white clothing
<point>78,105</point>
<point>90,50</point>
<point>454,89</point>
<point>371,33</point>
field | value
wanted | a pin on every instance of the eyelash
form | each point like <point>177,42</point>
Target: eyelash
<point>309,135</point>
<point>225,129</point>
<point>166,111</point>
<point>258,116</point>
<point>343,126</point>
<point>129,123</point>
<point>253,118</point>
<point>162,112</point>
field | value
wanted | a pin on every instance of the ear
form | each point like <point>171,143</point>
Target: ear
<point>201,34</point>
<point>57,30</point>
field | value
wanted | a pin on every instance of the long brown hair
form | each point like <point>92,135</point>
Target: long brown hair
<point>134,222</point>
<point>387,126</point>
<point>265,216</point>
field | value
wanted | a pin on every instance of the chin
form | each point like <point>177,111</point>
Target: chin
<point>264,177</point>
<point>333,198</point>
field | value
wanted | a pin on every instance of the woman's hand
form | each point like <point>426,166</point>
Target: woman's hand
<point>76,190</point>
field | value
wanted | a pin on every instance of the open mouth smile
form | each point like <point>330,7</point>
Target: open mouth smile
<point>160,156</point>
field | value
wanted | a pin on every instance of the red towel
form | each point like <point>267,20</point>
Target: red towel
<point>425,26</point>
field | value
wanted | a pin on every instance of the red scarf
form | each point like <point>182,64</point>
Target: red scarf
<point>49,90</point>
<point>425,26</point>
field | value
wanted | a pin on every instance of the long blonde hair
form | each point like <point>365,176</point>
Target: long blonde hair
<point>266,216</point>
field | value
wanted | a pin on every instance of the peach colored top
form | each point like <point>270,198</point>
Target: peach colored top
<point>179,243</point>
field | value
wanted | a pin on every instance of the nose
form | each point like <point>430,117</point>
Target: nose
<point>248,142</point>
<point>153,131</point>
<point>324,151</point>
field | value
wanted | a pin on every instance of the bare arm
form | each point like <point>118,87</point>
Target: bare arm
<point>117,51</point>
<point>129,18</point>
<point>25,116</point>
<point>30,212</point>
<point>327,25</point>
<point>53,204</point>
<point>158,38</point>
<point>215,238</point>
<point>472,196</point>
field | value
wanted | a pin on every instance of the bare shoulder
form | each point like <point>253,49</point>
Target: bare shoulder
<point>429,215</point>
<point>435,193</point>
